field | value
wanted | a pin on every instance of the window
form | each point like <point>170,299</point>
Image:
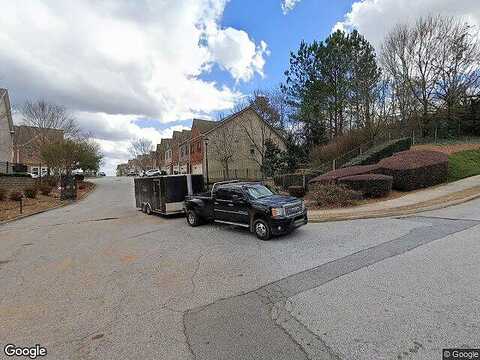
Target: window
<point>223,194</point>
<point>258,191</point>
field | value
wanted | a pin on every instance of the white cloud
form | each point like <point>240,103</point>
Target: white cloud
<point>288,5</point>
<point>234,51</point>
<point>115,61</point>
<point>375,18</point>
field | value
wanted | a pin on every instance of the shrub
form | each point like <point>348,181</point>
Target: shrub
<point>297,191</point>
<point>45,189</point>
<point>51,180</point>
<point>337,147</point>
<point>370,185</point>
<point>3,194</point>
<point>331,195</point>
<point>15,196</point>
<point>380,152</point>
<point>30,193</point>
<point>332,177</point>
<point>413,170</point>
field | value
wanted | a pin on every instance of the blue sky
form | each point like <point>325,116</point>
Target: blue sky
<point>264,20</point>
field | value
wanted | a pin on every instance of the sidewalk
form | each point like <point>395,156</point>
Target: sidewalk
<point>422,200</point>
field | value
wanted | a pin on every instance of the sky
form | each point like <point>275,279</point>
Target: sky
<point>130,69</point>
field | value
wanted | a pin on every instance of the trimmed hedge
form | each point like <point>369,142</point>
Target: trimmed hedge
<point>377,153</point>
<point>413,170</point>
<point>332,177</point>
<point>370,185</point>
<point>297,191</point>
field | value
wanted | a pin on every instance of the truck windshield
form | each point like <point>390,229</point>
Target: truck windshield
<point>258,191</point>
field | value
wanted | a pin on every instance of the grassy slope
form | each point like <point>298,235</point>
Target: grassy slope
<point>463,164</point>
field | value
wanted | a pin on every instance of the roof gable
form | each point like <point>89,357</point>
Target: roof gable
<point>203,125</point>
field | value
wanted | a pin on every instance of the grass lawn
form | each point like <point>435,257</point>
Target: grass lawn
<point>463,164</point>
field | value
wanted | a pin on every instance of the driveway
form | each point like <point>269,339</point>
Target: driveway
<point>100,280</point>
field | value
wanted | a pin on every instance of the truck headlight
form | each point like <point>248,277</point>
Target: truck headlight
<point>278,212</point>
<point>303,205</point>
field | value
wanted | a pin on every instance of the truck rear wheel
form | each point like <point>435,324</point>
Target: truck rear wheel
<point>192,218</point>
<point>262,230</point>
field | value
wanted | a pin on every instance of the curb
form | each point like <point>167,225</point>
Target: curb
<point>398,211</point>
<point>67,202</point>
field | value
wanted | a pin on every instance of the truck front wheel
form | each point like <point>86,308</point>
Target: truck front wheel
<point>262,230</point>
<point>192,218</point>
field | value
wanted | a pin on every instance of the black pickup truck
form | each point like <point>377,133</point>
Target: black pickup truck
<point>248,204</point>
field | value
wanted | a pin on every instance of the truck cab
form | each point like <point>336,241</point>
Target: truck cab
<point>247,204</point>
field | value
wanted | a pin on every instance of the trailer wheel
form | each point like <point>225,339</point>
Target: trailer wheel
<point>262,230</point>
<point>192,218</point>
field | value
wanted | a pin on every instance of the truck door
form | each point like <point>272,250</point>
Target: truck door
<point>222,207</point>
<point>240,207</point>
<point>230,205</point>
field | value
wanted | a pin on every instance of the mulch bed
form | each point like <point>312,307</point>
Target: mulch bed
<point>10,210</point>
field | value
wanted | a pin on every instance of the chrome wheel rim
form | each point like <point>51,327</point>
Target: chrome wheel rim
<point>261,229</point>
<point>191,218</point>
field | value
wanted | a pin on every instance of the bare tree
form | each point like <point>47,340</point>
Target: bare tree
<point>435,63</point>
<point>223,144</point>
<point>140,150</point>
<point>258,132</point>
<point>458,65</point>
<point>43,117</point>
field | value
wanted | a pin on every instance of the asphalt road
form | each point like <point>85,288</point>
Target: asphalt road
<point>100,280</point>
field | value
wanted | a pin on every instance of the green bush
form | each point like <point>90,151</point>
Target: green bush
<point>15,196</point>
<point>30,193</point>
<point>3,194</point>
<point>370,185</point>
<point>331,195</point>
<point>380,152</point>
<point>297,191</point>
<point>413,170</point>
<point>463,164</point>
